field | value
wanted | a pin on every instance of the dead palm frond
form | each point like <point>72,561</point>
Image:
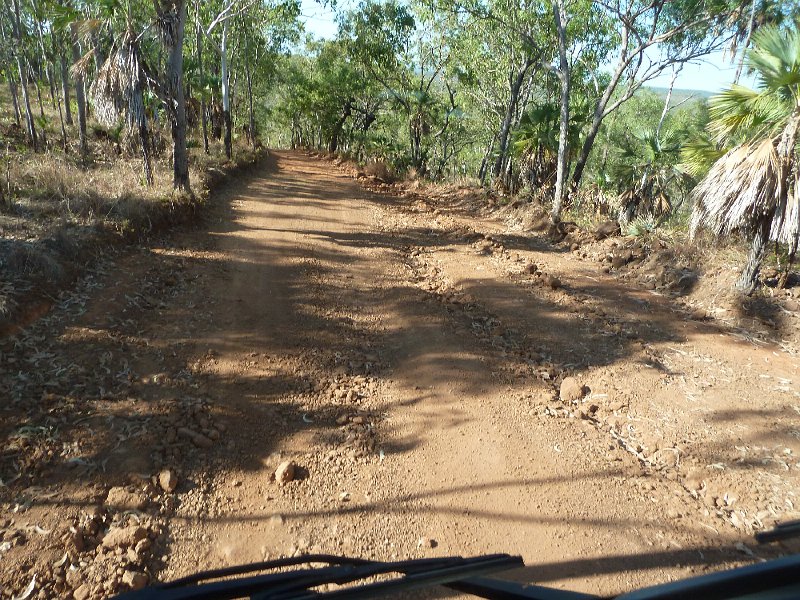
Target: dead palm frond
<point>738,191</point>
<point>118,92</point>
<point>753,188</point>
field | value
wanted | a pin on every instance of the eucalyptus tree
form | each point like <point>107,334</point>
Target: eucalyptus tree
<point>171,24</point>
<point>650,37</point>
<point>760,13</point>
<point>221,16</point>
<point>18,52</point>
<point>262,33</point>
<point>383,38</point>
<point>497,49</point>
<point>9,62</point>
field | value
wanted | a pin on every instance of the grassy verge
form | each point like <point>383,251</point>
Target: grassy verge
<point>59,212</point>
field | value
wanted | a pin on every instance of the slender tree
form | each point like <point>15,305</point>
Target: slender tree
<point>171,21</point>
<point>18,51</point>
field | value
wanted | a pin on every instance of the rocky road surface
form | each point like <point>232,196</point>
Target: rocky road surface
<point>324,368</point>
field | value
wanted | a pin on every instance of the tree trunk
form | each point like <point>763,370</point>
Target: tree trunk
<point>750,21</point>
<point>600,114</point>
<point>65,89</point>
<point>18,49</point>
<point>172,17</point>
<point>748,280</point>
<point>12,86</point>
<point>337,128</point>
<point>48,69</point>
<point>563,132</point>
<point>80,98</point>
<point>199,58</point>
<point>63,128</point>
<point>41,104</point>
<point>31,127</point>
<point>505,128</point>
<point>483,171</point>
<point>251,125</point>
<point>226,91</point>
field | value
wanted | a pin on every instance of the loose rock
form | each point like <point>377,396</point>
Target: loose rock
<point>122,499</point>
<point>285,472</point>
<point>571,390</point>
<point>124,536</point>
<point>135,579</point>
<point>82,592</point>
<point>168,480</point>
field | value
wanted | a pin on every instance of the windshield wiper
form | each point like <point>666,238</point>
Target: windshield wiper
<point>341,571</point>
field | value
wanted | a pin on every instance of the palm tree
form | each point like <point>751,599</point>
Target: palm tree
<point>119,89</point>
<point>753,188</point>
<point>536,142</point>
<point>650,173</point>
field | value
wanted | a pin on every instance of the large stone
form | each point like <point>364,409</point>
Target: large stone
<point>571,390</point>
<point>82,592</point>
<point>285,472</point>
<point>134,579</point>
<point>198,439</point>
<point>122,499</point>
<point>121,537</point>
<point>606,229</point>
<point>168,480</point>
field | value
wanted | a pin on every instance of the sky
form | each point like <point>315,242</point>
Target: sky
<point>711,75</point>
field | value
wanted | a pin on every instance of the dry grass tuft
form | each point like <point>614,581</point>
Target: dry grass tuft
<point>380,171</point>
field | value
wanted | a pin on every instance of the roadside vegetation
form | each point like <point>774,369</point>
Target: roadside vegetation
<point>113,113</point>
<point>550,103</point>
<point>108,139</point>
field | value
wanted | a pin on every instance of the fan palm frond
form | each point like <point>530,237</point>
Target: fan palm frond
<point>776,59</point>
<point>739,190</point>
<point>740,111</point>
<point>753,188</point>
<point>699,154</point>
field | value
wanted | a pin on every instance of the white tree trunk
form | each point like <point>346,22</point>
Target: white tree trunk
<point>226,90</point>
<point>560,17</point>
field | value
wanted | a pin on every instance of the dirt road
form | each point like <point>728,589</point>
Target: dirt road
<point>409,360</point>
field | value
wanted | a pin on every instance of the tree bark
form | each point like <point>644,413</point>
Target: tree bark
<point>65,90</point>
<point>39,98</point>
<point>172,21</point>
<point>505,128</point>
<point>80,98</point>
<point>199,58</point>
<point>667,100</point>
<point>484,168</point>
<point>64,143</point>
<point>750,21</point>
<point>17,30</point>
<point>226,91</point>
<point>12,87</point>
<point>337,128</point>
<point>251,125</point>
<point>48,69</point>
<point>563,131</point>
<point>748,280</point>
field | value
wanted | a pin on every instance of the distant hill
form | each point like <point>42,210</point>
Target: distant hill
<point>680,95</point>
